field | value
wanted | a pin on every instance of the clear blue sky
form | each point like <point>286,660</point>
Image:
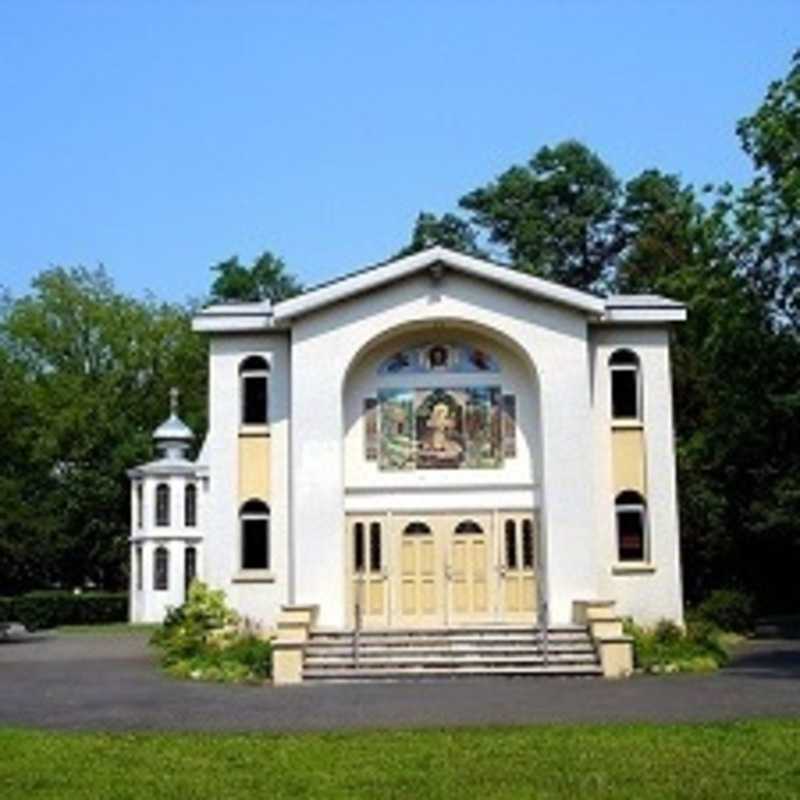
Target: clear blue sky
<point>161,137</point>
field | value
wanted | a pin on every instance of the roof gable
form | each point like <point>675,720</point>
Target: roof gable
<point>375,277</point>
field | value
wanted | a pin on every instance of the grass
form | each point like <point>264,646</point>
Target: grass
<point>731,760</point>
<point>111,628</point>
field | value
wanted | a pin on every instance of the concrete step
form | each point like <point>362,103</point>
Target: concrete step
<point>421,673</point>
<point>439,646</point>
<point>437,660</point>
<point>434,639</point>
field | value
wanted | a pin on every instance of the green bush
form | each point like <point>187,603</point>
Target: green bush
<point>7,609</point>
<point>668,648</point>
<point>41,610</point>
<point>203,640</point>
<point>729,610</point>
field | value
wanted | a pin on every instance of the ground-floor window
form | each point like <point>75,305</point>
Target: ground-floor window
<point>161,569</point>
<point>254,517</point>
<point>189,567</point>
<point>631,527</point>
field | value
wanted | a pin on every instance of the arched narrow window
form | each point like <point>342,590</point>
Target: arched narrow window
<point>254,377</point>
<point>139,569</point>
<point>375,547</point>
<point>626,389</point>
<point>511,543</point>
<point>254,516</point>
<point>527,544</point>
<point>161,569</point>
<point>358,547</point>
<point>162,505</point>
<point>139,505</point>
<point>416,529</point>
<point>631,527</point>
<point>189,567</point>
<point>190,505</point>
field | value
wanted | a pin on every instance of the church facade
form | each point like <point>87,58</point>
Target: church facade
<point>434,442</point>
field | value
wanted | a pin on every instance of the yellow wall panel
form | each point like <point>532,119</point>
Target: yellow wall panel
<point>254,468</point>
<point>627,447</point>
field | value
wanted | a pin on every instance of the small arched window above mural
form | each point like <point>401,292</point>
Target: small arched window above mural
<point>439,357</point>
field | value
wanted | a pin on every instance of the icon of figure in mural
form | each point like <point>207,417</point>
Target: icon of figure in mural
<point>440,433</point>
<point>438,357</point>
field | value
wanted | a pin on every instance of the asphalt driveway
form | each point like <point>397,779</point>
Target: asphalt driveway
<point>91,682</point>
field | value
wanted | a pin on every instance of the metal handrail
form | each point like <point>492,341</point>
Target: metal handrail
<point>358,622</point>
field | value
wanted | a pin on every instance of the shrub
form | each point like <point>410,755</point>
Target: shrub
<point>204,640</point>
<point>7,609</point>
<point>668,648</point>
<point>729,610</point>
<point>41,610</point>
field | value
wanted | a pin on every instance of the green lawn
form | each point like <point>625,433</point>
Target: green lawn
<point>748,759</point>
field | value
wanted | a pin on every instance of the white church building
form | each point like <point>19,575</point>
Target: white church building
<point>433,443</point>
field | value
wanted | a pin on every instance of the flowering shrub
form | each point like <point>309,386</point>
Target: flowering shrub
<point>204,639</point>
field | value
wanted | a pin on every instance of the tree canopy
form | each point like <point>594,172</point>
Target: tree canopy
<point>267,278</point>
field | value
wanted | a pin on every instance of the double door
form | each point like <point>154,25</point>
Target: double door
<point>442,569</point>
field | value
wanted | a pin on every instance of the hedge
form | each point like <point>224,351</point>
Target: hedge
<point>38,610</point>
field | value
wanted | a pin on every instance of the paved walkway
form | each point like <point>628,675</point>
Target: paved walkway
<point>77,682</point>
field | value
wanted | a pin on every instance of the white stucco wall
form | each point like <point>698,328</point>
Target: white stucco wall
<point>653,592</point>
<point>553,338</point>
<point>259,601</point>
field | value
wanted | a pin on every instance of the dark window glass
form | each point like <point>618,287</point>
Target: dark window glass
<point>255,544</point>
<point>189,567</point>
<point>358,547</point>
<point>139,569</point>
<point>254,405</point>
<point>139,506</point>
<point>161,569</point>
<point>468,526</point>
<point>527,544</point>
<point>630,529</point>
<point>190,506</point>
<point>416,528</point>
<point>162,505</point>
<point>375,547</point>
<point>624,394</point>
<point>511,544</point>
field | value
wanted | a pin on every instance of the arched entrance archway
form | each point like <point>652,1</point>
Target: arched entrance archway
<point>440,443</point>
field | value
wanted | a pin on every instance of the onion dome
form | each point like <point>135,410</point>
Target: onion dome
<point>173,437</point>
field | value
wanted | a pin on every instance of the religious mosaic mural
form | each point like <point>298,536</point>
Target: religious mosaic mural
<point>441,428</point>
<point>445,358</point>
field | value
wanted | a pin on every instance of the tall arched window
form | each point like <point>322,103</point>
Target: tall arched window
<point>161,569</point>
<point>139,505</point>
<point>189,567</point>
<point>190,505</point>
<point>162,505</point>
<point>254,517</point>
<point>631,515</point>
<point>626,385</point>
<point>254,376</point>
<point>139,569</point>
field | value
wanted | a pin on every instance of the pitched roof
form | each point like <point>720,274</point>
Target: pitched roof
<point>381,274</point>
<point>263,315</point>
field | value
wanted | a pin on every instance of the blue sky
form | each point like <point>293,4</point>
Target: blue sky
<point>161,137</point>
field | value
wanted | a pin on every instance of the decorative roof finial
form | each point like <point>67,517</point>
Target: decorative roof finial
<point>174,394</point>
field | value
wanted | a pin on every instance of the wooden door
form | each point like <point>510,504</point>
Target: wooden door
<point>419,595</point>
<point>367,538</point>
<point>468,570</point>
<point>517,567</point>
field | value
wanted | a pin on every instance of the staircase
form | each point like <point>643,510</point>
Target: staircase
<point>397,655</point>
